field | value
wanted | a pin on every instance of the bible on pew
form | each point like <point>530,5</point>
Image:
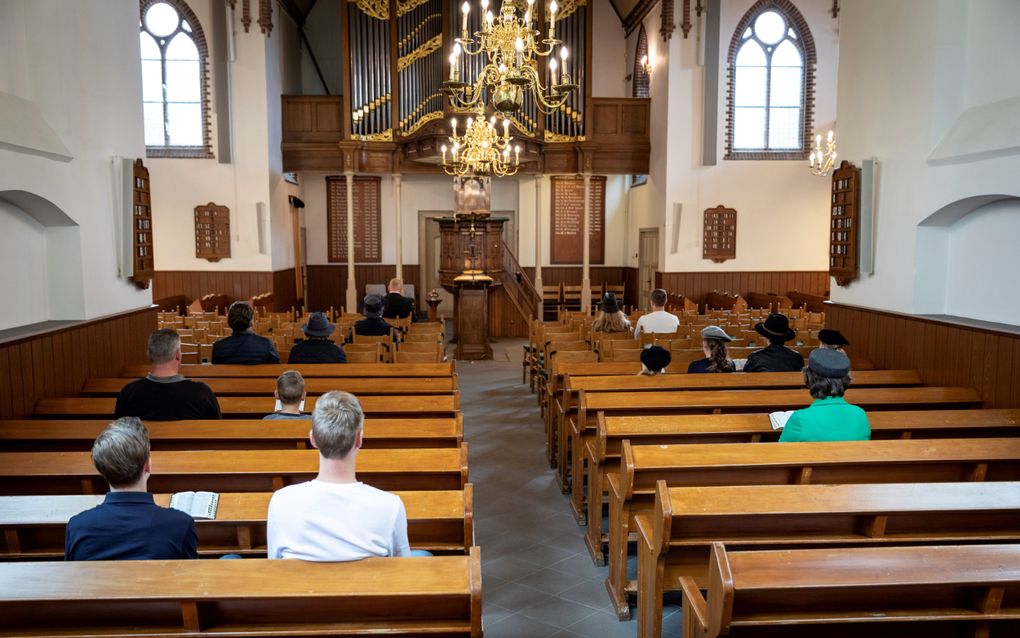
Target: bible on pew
<point>779,419</point>
<point>199,505</point>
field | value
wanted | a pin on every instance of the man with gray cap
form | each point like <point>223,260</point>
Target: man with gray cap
<point>373,325</point>
<point>829,417</point>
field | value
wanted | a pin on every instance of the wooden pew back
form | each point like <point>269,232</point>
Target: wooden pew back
<point>338,370</point>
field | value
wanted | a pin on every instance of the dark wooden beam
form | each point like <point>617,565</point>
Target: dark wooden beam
<point>637,14</point>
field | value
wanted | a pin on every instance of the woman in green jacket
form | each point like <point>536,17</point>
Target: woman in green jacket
<point>829,417</point>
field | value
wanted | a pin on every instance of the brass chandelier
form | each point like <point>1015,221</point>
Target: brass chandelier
<point>513,49</point>
<point>482,149</point>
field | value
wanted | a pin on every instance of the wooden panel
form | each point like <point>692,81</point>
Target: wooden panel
<point>212,232</point>
<point>943,353</point>
<point>504,318</point>
<point>365,190</point>
<point>327,284</point>
<point>567,218</point>
<point>308,118</point>
<point>238,284</point>
<point>284,290</point>
<point>57,363</point>
<point>696,285</point>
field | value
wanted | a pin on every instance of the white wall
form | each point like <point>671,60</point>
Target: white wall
<point>23,250</point>
<point>610,59</point>
<point>980,262</point>
<point>76,66</point>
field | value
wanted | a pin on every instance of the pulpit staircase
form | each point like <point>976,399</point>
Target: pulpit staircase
<point>518,287</point>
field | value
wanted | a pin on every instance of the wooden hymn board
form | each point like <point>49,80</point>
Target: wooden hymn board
<point>720,237</point>
<point>367,218</point>
<point>844,220</point>
<point>212,232</point>
<point>567,215</point>
<point>142,255</point>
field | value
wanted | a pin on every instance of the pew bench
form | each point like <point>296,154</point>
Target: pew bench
<point>31,473</point>
<point>428,596</point>
<point>335,370</point>
<point>880,592</point>
<point>314,386</point>
<point>34,526</point>
<point>675,540</point>
<point>632,490</point>
<point>242,434</point>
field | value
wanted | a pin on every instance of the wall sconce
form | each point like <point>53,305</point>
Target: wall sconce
<point>821,161</point>
<point>646,65</point>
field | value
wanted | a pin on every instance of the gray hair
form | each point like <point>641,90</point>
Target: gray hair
<point>121,450</point>
<point>163,345</point>
<point>336,421</point>
<point>822,387</point>
<point>290,386</point>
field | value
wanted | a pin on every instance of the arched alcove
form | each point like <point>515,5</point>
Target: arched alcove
<point>966,260</point>
<point>40,253</point>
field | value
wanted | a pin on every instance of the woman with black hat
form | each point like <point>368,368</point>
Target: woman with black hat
<point>654,360</point>
<point>316,346</point>
<point>832,339</point>
<point>610,317</point>
<point>713,343</point>
<point>829,417</point>
<point>776,357</point>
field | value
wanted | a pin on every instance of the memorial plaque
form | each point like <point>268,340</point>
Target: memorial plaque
<point>568,220</point>
<point>367,219</point>
<point>212,232</point>
<point>720,237</point>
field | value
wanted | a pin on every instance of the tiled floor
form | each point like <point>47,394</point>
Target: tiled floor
<point>537,578</point>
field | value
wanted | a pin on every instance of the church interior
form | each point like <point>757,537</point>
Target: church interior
<point>523,173</point>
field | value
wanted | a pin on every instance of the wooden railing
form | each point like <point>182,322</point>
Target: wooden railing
<point>518,286</point>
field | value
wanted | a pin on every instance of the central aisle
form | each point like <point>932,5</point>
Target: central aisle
<point>538,579</point>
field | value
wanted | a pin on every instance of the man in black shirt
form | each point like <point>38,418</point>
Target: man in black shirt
<point>164,394</point>
<point>373,325</point>
<point>316,347</point>
<point>396,305</point>
<point>776,357</point>
<point>244,347</point>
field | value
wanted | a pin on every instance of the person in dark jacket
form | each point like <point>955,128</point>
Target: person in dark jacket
<point>395,304</point>
<point>244,347</point>
<point>373,325</point>
<point>316,346</point>
<point>776,357</point>
<point>128,525</point>
<point>832,339</point>
<point>164,394</point>
<point>713,344</point>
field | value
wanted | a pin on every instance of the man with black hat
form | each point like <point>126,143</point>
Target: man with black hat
<point>829,417</point>
<point>776,357</point>
<point>316,346</point>
<point>373,325</point>
<point>832,339</point>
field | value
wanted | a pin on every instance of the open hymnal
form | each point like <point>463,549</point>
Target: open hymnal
<point>198,504</point>
<point>779,419</point>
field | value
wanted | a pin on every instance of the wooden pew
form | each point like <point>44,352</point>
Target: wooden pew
<point>442,405</point>
<point>338,370</point>
<point>34,526</point>
<point>675,540</point>
<point>941,591</point>
<point>632,490</point>
<point>427,596</point>
<point>26,473</point>
<point>602,453</point>
<point>248,434</point>
<point>256,386</point>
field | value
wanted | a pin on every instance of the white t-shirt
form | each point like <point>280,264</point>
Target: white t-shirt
<point>658,321</point>
<point>327,522</point>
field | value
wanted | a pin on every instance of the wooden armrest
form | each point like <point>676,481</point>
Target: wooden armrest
<point>643,524</point>
<point>694,602</point>
<point>613,478</point>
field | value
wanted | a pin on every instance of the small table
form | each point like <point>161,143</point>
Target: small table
<point>433,308</point>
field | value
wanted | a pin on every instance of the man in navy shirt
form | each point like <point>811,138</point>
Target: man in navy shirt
<point>243,347</point>
<point>128,525</point>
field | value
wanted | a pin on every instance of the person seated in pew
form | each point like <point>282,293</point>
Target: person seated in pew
<point>164,394</point>
<point>335,517</point>
<point>655,360</point>
<point>610,317</point>
<point>373,325</point>
<point>395,304</point>
<point>829,417</point>
<point>713,344</point>
<point>316,346</point>
<point>832,339</point>
<point>244,347</point>
<point>290,393</point>
<point>776,357</point>
<point>658,320</point>
<point>128,525</point>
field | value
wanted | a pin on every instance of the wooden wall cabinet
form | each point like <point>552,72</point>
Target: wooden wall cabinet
<point>844,223</point>
<point>212,232</point>
<point>141,227</point>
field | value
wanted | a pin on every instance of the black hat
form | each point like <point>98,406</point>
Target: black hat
<point>829,363</point>
<point>655,358</point>
<point>318,326</point>
<point>609,304</point>
<point>832,338</point>
<point>373,306</point>
<point>776,328</point>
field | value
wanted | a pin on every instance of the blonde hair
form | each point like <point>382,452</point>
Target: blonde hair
<point>336,421</point>
<point>611,322</point>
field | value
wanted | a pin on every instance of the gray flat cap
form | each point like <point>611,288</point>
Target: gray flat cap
<point>715,332</point>
<point>829,363</point>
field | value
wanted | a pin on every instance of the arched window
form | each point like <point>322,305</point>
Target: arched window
<point>771,84</point>
<point>639,79</point>
<point>175,92</point>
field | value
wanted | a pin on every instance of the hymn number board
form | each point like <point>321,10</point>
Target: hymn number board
<point>367,218</point>
<point>843,222</point>
<point>568,220</point>
<point>212,232</point>
<point>720,238</point>
<point>142,227</point>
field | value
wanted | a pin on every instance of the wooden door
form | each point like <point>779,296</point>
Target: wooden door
<point>648,264</point>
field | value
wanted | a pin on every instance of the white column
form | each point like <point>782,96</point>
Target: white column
<point>352,292</point>
<point>397,227</point>
<point>538,233</point>
<point>586,248</point>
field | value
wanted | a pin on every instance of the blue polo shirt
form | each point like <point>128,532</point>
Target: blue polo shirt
<point>130,526</point>
<point>828,419</point>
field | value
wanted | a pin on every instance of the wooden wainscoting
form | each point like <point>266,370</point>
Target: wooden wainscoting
<point>504,318</point>
<point>698,284</point>
<point>327,284</point>
<point>55,361</point>
<point>239,284</point>
<point>944,354</point>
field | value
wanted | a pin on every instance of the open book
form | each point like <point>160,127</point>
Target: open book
<point>201,505</point>
<point>779,419</point>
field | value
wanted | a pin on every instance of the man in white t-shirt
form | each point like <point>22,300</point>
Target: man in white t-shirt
<point>335,517</point>
<point>658,320</point>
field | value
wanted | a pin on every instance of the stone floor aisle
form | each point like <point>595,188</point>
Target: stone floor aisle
<point>538,580</point>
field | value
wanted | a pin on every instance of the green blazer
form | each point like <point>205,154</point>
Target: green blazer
<point>828,419</point>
